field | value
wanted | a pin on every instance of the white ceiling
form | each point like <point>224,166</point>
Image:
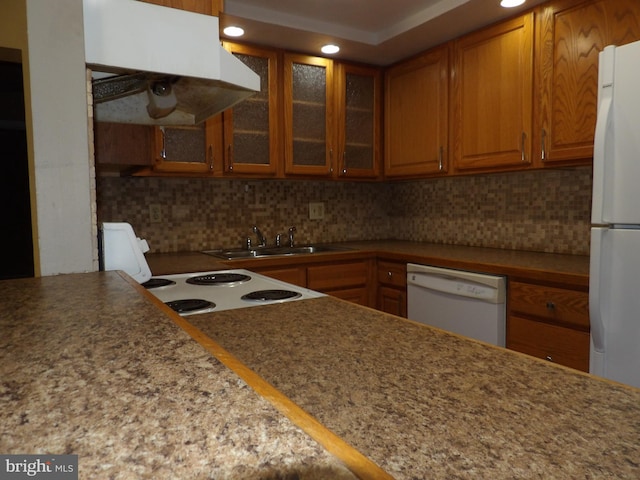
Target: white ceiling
<point>378,32</point>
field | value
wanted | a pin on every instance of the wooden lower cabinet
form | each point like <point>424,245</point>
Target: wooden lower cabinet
<point>392,287</point>
<point>348,280</point>
<point>294,275</point>
<point>549,322</point>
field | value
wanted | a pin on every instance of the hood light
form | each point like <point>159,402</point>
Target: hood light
<point>233,31</point>
<point>329,49</point>
<point>511,3</point>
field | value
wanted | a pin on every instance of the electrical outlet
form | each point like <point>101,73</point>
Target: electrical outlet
<point>155,213</point>
<point>316,210</point>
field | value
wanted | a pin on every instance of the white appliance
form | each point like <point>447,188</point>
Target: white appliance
<point>122,250</point>
<point>192,293</point>
<point>614,277</point>
<point>467,303</point>
<point>158,65</point>
<point>205,292</point>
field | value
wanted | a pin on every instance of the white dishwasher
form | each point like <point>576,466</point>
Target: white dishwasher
<point>467,303</point>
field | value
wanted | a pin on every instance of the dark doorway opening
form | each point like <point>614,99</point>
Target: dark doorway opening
<point>16,257</point>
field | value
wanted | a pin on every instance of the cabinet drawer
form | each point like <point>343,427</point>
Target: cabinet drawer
<point>359,296</point>
<point>561,345</point>
<point>293,275</point>
<point>549,303</point>
<point>392,274</point>
<point>338,275</point>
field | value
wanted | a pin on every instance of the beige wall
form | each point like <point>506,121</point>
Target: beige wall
<point>50,36</point>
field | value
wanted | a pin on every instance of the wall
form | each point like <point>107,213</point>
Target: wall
<point>50,36</point>
<point>543,211</point>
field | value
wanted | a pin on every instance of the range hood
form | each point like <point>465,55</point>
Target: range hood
<point>155,65</point>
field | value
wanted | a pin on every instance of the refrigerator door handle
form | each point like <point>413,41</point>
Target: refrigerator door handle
<point>599,150</point>
<point>595,310</point>
<point>606,68</point>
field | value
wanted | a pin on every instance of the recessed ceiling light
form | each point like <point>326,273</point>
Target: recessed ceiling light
<point>330,49</point>
<point>233,31</point>
<point>511,3</point>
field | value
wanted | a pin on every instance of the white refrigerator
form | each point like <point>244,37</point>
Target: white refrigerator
<point>614,281</point>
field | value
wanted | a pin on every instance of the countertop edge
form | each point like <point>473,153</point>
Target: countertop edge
<point>353,459</point>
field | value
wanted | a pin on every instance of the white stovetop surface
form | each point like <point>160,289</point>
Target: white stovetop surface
<point>226,296</point>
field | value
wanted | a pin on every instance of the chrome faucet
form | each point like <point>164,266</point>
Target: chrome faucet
<point>262,241</point>
<point>292,230</point>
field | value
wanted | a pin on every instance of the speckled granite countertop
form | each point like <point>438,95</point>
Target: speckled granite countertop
<point>423,403</point>
<point>569,269</point>
<point>90,366</point>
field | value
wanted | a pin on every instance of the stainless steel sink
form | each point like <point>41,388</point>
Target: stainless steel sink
<point>241,253</point>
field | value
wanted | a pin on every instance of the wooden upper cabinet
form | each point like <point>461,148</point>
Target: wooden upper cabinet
<point>195,150</point>
<point>308,115</point>
<point>416,115</point>
<point>571,35</point>
<point>358,96</point>
<point>492,93</point>
<point>251,133</point>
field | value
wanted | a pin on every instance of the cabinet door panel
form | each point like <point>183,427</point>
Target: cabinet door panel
<point>551,342</point>
<point>416,115</point>
<point>493,90</point>
<point>308,100</point>
<point>571,36</point>
<point>251,134</point>
<point>358,121</point>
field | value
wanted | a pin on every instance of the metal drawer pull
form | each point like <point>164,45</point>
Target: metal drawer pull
<point>549,357</point>
<point>543,153</point>
<point>522,155</point>
<point>551,306</point>
<point>440,158</point>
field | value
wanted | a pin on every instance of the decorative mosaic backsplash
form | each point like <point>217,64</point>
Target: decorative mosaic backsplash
<point>544,211</point>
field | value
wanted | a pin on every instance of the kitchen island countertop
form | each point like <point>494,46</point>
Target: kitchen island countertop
<point>91,364</point>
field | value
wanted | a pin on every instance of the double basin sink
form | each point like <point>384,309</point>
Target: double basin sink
<point>241,253</point>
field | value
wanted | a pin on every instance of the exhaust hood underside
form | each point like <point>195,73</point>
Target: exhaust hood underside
<point>155,65</point>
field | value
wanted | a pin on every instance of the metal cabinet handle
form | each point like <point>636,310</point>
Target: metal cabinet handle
<point>389,274</point>
<point>230,152</point>
<point>210,155</point>
<point>163,149</point>
<point>523,157</point>
<point>551,306</point>
<point>440,158</point>
<point>344,162</point>
<point>543,153</point>
<point>549,358</point>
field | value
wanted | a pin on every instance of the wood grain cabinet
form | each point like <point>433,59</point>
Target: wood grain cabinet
<point>358,96</point>
<point>570,36</point>
<point>346,280</point>
<point>392,287</point>
<point>309,145</point>
<point>192,149</point>
<point>120,146</point>
<point>416,115</point>
<point>492,92</point>
<point>549,322</point>
<point>251,128</point>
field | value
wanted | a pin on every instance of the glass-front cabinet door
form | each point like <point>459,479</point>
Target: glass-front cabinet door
<point>251,127</point>
<point>193,149</point>
<point>358,126</point>
<point>308,116</point>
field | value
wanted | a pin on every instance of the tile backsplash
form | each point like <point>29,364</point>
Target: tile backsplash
<point>544,211</point>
